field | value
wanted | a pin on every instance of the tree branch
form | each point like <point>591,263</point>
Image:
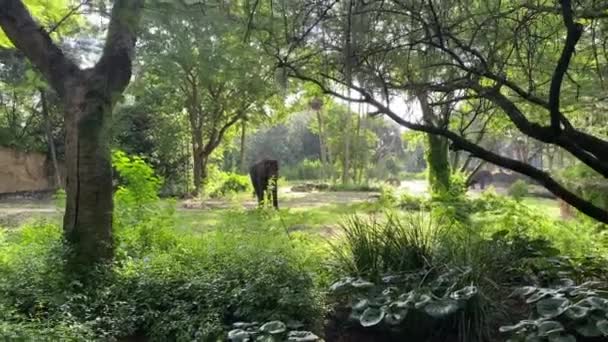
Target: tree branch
<point>116,59</point>
<point>574,32</point>
<point>29,37</point>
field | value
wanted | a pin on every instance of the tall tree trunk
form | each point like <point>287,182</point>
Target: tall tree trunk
<point>437,152</point>
<point>88,214</point>
<point>197,168</point>
<point>346,152</point>
<point>48,130</point>
<point>88,96</point>
<point>242,165</point>
<point>323,147</point>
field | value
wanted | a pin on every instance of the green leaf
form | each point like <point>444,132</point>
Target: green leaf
<point>362,284</point>
<point>465,293</point>
<point>589,329</point>
<point>577,312</point>
<point>273,327</point>
<point>441,308</point>
<point>552,307</point>
<point>521,325</point>
<point>301,336</point>
<point>598,303</point>
<point>542,293</point>
<point>422,301</point>
<point>361,305</point>
<point>371,317</point>
<point>341,284</point>
<point>547,328</point>
<point>523,291</point>
<point>238,335</point>
<point>562,338</point>
<point>602,326</point>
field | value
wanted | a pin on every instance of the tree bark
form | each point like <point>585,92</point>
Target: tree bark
<point>88,97</point>
<point>48,131</point>
<point>242,165</point>
<point>437,153</point>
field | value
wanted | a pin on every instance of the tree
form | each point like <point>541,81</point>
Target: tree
<point>219,77</point>
<point>88,97</point>
<point>507,54</point>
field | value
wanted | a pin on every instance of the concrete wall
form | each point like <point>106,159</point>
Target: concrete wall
<point>24,171</point>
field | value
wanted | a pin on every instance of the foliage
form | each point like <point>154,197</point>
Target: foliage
<point>270,331</point>
<point>518,190</point>
<point>221,184</point>
<point>305,170</point>
<point>137,193</point>
<point>238,273</point>
<point>372,247</point>
<point>59,198</point>
<point>411,202</point>
<point>418,303</point>
<point>567,312</point>
<point>365,187</point>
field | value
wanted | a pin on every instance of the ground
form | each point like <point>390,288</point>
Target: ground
<point>317,211</point>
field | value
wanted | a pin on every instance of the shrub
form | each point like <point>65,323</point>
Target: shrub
<point>221,184</point>
<point>371,248</point>
<point>137,194</point>
<point>518,190</point>
<point>163,284</point>
<point>410,202</point>
<point>564,313</point>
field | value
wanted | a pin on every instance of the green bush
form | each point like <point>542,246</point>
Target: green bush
<point>366,187</point>
<point>518,190</point>
<point>163,284</point>
<point>305,170</point>
<point>137,194</point>
<point>371,247</point>
<point>221,184</point>
<point>563,313</point>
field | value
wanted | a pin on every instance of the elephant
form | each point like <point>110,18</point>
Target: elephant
<point>482,177</point>
<point>263,174</point>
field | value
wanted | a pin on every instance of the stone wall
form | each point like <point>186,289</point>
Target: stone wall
<point>24,171</point>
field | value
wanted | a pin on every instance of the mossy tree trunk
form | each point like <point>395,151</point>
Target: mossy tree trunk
<point>439,170</point>
<point>88,96</point>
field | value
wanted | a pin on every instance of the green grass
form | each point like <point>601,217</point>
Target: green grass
<point>545,206</point>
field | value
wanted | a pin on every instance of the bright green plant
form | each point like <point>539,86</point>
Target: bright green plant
<point>518,190</point>
<point>59,198</point>
<point>137,194</point>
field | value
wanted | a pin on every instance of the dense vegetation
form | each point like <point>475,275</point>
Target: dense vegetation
<point>151,113</point>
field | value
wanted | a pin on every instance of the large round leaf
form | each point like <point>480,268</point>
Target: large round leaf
<point>516,327</point>
<point>302,336</point>
<point>465,293</point>
<point>598,303</point>
<point>423,300</point>
<point>589,329</point>
<point>602,326</point>
<point>238,335</point>
<point>441,308</point>
<point>540,294</point>
<point>547,328</point>
<point>523,291</point>
<point>341,284</point>
<point>361,305</point>
<point>273,327</point>
<point>562,338</point>
<point>371,317</point>
<point>552,307</point>
<point>361,284</point>
<point>395,318</point>
<point>577,312</point>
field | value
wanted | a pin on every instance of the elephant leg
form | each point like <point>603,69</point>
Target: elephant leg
<point>275,198</point>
